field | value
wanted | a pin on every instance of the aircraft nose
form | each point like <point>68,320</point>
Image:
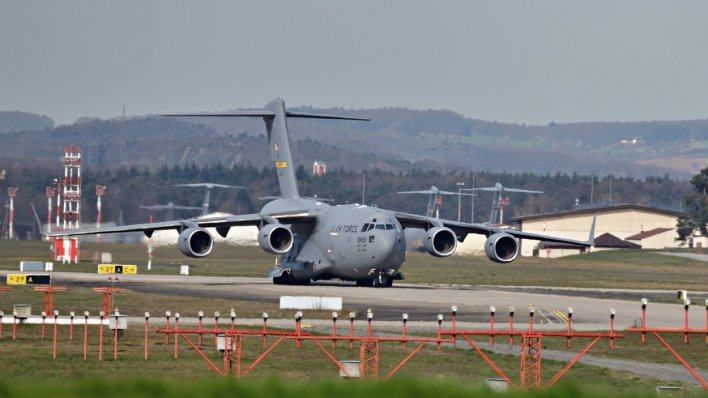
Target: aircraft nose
<point>386,244</point>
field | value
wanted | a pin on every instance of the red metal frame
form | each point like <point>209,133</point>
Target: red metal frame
<point>686,331</point>
<point>369,348</point>
<point>530,374</point>
<point>530,371</point>
<point>369,344</point>
<point>49,296</point>
<point>107,297</point>
<point>530,360</point>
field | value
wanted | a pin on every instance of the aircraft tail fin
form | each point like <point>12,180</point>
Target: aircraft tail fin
<point>591,237</point>
<point>36,219</point>
<point>278,139</point>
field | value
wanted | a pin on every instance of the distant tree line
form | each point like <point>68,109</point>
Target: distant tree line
<point>130,187</point>
<point>696,218</point>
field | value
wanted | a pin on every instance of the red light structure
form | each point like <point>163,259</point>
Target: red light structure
<point>530,375</point>
<point>369,343</point>
<point>107,297</point>
<point>686,331</point>
<point>49,296</point>
<point>4,289</point>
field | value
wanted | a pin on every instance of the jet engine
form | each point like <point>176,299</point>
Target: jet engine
<point>440,241</point>
<point>275,239</point>
<point>195,242</point>
<point>501,248</point>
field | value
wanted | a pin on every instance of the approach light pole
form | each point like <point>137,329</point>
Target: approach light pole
<point>459,199</point>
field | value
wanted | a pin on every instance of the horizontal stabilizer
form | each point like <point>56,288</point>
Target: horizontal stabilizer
<point>225,114</point>
<point>321,116</point>
<point>266,114</point>
<point>208,185</point>
<point>494,189</point>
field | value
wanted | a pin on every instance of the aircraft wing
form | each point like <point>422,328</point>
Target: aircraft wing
<point>438,192</point>
<point>255,219</point>
<point>208,185</point>
<point>461,229</point>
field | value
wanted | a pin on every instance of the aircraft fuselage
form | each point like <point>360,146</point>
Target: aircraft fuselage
<point>350,242</point>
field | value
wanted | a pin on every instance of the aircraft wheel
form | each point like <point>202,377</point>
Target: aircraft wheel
<point>364,282</point>
<point>383,280</point>
<point>289,280</point>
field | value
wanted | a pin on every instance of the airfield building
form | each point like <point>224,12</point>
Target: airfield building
<point>624,226</point>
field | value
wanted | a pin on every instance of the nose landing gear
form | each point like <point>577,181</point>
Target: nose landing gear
<point>383,279</point>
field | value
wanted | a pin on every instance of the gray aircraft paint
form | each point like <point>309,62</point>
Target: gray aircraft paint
<point>498,190</point>
<point>207,192</point>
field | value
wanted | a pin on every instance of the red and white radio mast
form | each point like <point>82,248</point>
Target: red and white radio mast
<point>71,186</point>
<point>69,205</point>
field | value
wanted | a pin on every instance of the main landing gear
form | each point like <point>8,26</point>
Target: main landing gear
<point>287,279</point>
<point>383,279</point>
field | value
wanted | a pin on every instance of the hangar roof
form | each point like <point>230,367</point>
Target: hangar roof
<point>601,209</point>
<point>647,234</point>
<point>608,240</point>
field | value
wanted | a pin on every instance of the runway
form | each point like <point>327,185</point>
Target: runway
<point>591,311</point>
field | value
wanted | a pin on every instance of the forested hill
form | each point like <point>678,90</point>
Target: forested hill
<point>397,139</point>
<point>14,121</point>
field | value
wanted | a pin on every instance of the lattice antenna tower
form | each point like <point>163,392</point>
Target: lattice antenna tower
<point>71,188</point>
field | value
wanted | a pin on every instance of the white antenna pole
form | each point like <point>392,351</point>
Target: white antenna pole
<point>592,187</point>
<point>363,187</point>
<point>473,195</point>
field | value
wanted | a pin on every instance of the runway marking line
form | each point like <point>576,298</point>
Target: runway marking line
<point>560,315</point>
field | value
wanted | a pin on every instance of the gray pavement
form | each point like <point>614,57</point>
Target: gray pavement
<point>423,302</point>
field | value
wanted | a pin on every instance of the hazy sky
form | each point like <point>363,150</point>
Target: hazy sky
<point>511,61</point>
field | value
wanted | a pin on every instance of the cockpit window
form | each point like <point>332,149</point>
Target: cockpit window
<point>389,226</point>
<point>380,226</point>
<point>363,228</point>
<point>371,226</point>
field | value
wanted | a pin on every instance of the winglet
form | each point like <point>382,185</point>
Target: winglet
<point>591,238</point>
<point>36,218</point>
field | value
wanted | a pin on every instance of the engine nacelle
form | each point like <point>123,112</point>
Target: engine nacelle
<point>502,248</point>
<point>195,242</point>
<point>275,238</point>
<point>440,241</point>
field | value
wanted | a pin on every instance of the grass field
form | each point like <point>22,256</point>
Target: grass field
<point>452,371</point>
<point>277,388</point>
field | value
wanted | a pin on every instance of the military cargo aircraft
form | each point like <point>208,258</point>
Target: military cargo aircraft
<point>315,240</point>
<point>170,209</point>
<point>497,215</point>
<point>207,192</point>
<point>435,199</point>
